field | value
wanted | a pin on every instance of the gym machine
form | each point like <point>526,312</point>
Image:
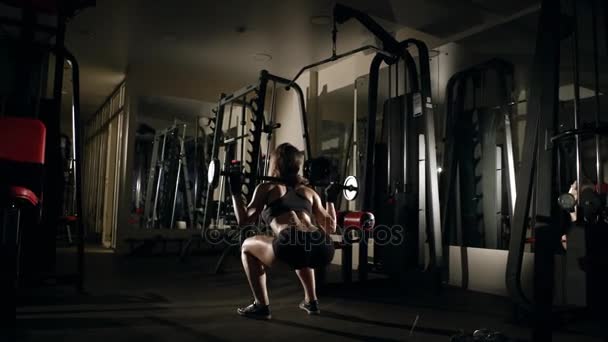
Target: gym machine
<point>251,99</point>
<point>543,176</point>
<point>168,176</point>
<point>27,103</point>
<point>478,157</point>
<point>411,142</point>
<point>144,141</point>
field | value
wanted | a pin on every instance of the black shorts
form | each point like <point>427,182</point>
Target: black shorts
<point>300,249</point>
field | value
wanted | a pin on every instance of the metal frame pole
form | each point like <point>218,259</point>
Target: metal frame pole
<point>243,124</point>
<point>161,167</point>
<point>577,99</point>
<point>77,145</point>
<point>594,29</point>
<point>270,127</point>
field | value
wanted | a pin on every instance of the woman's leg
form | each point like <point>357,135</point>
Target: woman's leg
<point>256,255</point>
<point>307,278</point>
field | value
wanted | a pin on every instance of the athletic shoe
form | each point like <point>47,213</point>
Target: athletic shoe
<point>311,307</point>
<point>256,311</point>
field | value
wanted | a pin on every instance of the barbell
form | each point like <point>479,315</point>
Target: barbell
<point>350,186</point>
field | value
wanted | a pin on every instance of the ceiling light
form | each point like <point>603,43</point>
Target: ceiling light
<point>321,20</point>
<point>261,57</point>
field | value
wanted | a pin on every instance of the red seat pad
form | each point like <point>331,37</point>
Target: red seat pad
<point>21,194</point>
<point>22,140</point>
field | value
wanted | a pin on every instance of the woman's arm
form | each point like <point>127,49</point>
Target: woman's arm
<point>246,214</point>
<point>325,217</point>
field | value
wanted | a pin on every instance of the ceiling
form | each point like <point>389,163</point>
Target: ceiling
<point>197,49</point>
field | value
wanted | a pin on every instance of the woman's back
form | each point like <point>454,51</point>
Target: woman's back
<point>288,206</point>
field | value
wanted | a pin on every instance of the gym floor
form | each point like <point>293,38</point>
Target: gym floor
<point>160,299</point>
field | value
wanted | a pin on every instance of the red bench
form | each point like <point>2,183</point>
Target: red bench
<point>22,148</point>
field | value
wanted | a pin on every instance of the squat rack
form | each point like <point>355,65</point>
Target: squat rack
<point>256,106</point>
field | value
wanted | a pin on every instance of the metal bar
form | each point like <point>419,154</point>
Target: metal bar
<point>232,140</point>
<point>422,200</point>
<point>187,188</point>
<point>180,169</point>
<point>434,211</point>
<point>602,131</point>
<point>337,57</point>
<point>243,123</point>
<point>371,133</point>
<point>151,178</point>
<point>174,204</point>
<point>577,103</point>
<point>161,167</point>
<point>354,140</point>
<point>270,128</point>
<point>222,197</point>
<point>239,93</point>
<point>389,135</point>
<point>214,153</point>
<point>544,75</point>
<point>258,122</point>
<point>594,29</point>
<point>405,118</point>
<point>343,13</point>
<point>303,113</point>
<point>196,162</point>
<point>498,196</point>
<point>304,121</point>
<point>458,205</point>
<point>77,137</point>
<point>512,190</point>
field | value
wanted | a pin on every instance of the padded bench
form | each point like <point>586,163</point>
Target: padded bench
<point>22,149</point>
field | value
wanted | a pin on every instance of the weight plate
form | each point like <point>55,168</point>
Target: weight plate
<point>213,173</point>
<point>566,202</point>
<point>351,188</point>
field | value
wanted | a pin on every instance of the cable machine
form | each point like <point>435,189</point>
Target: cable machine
<point>408,195</point>
<point>543,177</point>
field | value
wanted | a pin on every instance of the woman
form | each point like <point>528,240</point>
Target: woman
<point>300,223</point>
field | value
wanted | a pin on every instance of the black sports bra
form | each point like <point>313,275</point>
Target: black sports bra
<point>290,201</point>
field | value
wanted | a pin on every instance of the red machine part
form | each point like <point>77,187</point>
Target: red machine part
<point>22,140</point>
<point>21,194</point>
<point>360,220</point>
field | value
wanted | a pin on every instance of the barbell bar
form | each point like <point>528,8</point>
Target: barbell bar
<point>350,186</point>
